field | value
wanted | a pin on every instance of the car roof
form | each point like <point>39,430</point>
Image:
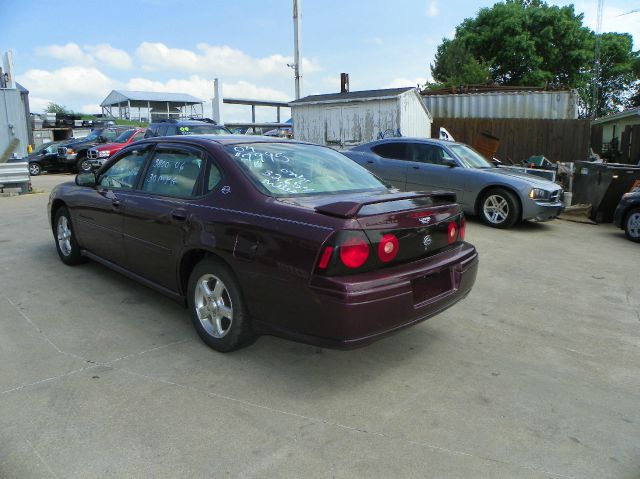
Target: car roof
<point>186,122</point>
<point>408,139</point>
<point>228,139</point>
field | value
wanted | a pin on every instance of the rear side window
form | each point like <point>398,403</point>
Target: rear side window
<point>174,172</point>
<point>395,151</point>
<point>138,136</point>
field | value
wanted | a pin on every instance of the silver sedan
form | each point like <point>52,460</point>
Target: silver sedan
<point>500,197</point>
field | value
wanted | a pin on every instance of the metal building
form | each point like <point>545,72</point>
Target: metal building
<point>540,105</point>
<point>352,118</point>
<point>15,122</point>
<point>146,106</point>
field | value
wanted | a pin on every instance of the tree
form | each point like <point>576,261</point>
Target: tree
<point>455,65</point>
<point>523,43</point>
<point>616,78</point>
<point>55,108</point>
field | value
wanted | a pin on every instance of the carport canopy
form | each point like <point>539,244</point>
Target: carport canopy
<point>148,106</point>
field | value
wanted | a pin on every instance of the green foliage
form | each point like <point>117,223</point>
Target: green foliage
<point>55,108</point>
<point>455,65</point>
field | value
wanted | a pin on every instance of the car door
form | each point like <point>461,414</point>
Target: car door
<point>157,216</point>
<point>99,216</point>
<point>428,172</point>
<point>391,163</point>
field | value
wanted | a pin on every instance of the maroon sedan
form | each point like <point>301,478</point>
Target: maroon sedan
<point>260,236</point>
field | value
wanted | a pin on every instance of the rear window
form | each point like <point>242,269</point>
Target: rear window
<point>289,169</point>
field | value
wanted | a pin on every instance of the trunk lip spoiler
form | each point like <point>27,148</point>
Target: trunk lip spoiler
<point>350,209</point>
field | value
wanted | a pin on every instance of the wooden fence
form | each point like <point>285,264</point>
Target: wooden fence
<point>558,140</point>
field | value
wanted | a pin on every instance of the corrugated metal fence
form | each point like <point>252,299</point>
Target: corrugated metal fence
<point>551,105</point>
<point>558,140</point>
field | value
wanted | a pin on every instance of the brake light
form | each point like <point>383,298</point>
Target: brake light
<point>388,248</point>
<point>326,256</point>
<point>354,252</point>
<point>452,232</point>
<point>463,228</point>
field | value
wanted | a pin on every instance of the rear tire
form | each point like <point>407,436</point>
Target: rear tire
<point>65,236</point>
<point>632,225</point>
<point>499,208</point>
<point>34,169</point>
<point>217,307</point>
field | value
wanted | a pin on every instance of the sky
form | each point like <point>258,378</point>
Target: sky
<point>74,53</point>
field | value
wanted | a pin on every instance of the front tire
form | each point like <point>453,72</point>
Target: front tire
<point>632,225</point>
<point>65,236</point>
<point>217,308</point>
<point>84,166</point>
<point>499,208</point>
<point>34,169</point>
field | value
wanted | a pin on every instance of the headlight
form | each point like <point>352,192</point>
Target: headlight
<point>70,151</point>
<point>539,194</point>
<point>104,153</point>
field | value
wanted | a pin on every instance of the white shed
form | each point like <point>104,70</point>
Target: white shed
<point>352,118</point>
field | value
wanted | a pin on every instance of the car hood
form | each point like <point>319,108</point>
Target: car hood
<point>533,180</point>
<point>109,146</point>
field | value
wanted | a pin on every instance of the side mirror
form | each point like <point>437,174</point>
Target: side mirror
<point>86,179</point>
<point>449,162</point>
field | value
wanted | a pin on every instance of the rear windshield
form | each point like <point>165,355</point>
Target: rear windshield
<point>289,169</point>
<point>201,130</point>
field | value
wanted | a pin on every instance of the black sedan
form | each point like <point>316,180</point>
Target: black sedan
<point>44,158</point>
<point>627,214</point>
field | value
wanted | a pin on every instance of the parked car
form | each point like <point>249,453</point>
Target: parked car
<point>185,127</point>
<point>228,224</point>
<point>44,158</point>
<point>97,155</point>
<point>500,197</point>
<point>73,153</point>
<point>627,214</point>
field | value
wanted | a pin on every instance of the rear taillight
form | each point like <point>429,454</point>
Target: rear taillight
<point>354,252</point>
<point>388,248</point>
<point>452,232</point>
<point>463,228</point>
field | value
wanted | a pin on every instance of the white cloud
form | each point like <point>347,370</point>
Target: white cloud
<point>109,56</point>
<point>89,55</point>
<point>38,104</point>
<point>71,53</point>
<point>402,82</point>
<point>219,60</point>
<point>432,9</point>
<point>91,108</point>
<point>68,86</point>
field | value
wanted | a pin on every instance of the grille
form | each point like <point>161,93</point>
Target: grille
<point>556,196</point>
<point>62,151</point>
<point>92,154</point>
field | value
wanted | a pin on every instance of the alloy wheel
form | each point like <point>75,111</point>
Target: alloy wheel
<point>34,169</point>
<point>64,236</point>
<point>213,305</point>
<point>633,225</point>
<point>496,209</point>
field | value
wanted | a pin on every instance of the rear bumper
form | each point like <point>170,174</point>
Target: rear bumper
<point>353,311</point>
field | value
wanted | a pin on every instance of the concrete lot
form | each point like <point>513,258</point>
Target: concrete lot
<point>534,375</point>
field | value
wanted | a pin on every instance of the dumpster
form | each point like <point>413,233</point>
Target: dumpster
<point>602,185</point>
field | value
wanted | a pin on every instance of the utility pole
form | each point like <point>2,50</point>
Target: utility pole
<point>297,41</point>
<point>596,67</point>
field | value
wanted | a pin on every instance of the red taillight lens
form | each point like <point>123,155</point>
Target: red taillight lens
<point>463,228</point>
<point>326,256</point>
<point>452,232</point>
<point>354,252</point>
<point>388,248</point>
